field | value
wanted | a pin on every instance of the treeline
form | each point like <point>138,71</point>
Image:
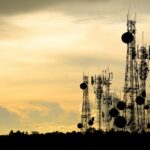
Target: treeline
<point>74,140</point>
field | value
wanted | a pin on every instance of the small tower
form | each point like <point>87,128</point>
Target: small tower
<point>98,91</point>
<point>86,120</point>
<point>107,76</point>
<point>143,56</point>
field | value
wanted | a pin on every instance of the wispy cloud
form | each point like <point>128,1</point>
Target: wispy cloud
<point>52,113</point>
<point>74,7</point>
<point>21,6</point>
<point>8,120</point>
<point>39,114</point>
<point>88,60</point>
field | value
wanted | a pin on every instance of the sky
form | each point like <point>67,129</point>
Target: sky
<point>46,45</point>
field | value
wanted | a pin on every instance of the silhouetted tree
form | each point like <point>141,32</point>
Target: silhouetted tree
<point>11,132</point>
<point>35,132</point>
<point>74,140</point>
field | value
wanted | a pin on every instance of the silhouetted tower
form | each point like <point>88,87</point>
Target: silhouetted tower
<point>106,78</point>
<point>131,75</point>
<point>86,120</point>
<point>143,55</point>
<point>98,90</point>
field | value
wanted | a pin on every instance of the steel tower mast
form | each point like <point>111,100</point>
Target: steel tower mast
<point>143,69</point>
<point>86,113</point>
<point>107,78</point>
<point>131,75</point>
<point>98,90</point>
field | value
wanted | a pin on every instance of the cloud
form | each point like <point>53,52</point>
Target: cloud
<point>8,119</point>
<point>74,7</point>
<point>38,115</point>
<point>88,60</point>
<point>52,113</point>
<point>21,6</point>
<point>9,30</point>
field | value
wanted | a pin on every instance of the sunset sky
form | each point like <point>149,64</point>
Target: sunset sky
<point>46,45</point>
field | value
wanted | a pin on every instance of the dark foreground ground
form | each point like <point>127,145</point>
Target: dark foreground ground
<point>76,141</point>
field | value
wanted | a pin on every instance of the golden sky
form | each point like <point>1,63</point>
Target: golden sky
<point>46,45</point>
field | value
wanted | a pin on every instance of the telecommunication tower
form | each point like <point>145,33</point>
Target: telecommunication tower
<point>107,76</point>
<point>98,91</point>
<point>143,55</point>
<point>86,120</point>
<point>131,84</point>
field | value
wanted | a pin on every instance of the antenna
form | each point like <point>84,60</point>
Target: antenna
<point>142,38</point>
<point>128,15</point>
<point>135,16</point>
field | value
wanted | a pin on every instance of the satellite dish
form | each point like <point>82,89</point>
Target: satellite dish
<point>133,54</point>
<point>90,122</point>
<point>127,37</point>
<point>113,112</point>
<point>146,107</point>
<point>148,125</point>
<point>92,80</point>
<point>130,106</point>
<point>140,100</point>
<point>143,93</point>
<point>120,122</point>
<point>83,86</point>
<point>121,105</point>
<point>92,118</point>
<point>80,125</point>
